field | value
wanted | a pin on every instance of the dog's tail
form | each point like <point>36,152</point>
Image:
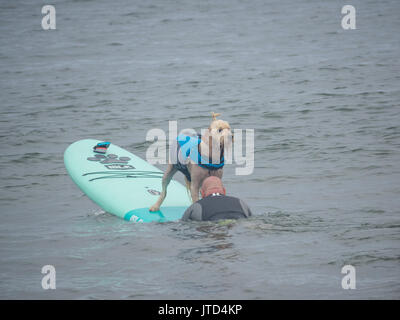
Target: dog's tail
<point>214,116</point>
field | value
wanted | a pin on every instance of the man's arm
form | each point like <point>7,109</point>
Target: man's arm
<point>194,212</point>
<point>245,208</point>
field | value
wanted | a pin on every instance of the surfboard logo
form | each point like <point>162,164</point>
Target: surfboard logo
<point>134,218</point>
<point>112,161</point>
<point>119,167</point>
<point>153,192</point>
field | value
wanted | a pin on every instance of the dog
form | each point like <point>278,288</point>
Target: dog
<point>197,157</point>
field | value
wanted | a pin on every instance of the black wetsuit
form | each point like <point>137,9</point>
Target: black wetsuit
<point>215,207</point>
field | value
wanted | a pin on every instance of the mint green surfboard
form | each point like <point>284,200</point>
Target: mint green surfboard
<point>122,183</point>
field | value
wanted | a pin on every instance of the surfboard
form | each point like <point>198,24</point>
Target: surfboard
<point>123,184</point>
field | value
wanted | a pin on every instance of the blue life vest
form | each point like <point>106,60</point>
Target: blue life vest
<point>189,146</point>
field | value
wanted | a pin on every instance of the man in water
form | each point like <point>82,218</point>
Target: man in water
<point>215,205</point>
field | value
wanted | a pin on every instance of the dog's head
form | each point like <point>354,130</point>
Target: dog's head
<point>220,130</point>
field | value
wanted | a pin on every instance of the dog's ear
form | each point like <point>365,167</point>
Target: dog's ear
<point>215,115</point>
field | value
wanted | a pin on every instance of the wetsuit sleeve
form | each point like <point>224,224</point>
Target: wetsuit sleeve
<point>194,212</point>
<point>245,208</point>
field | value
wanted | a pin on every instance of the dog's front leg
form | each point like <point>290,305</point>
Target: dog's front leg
<point>169,173</point>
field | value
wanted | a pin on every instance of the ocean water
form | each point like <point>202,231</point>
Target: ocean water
<point>324,106</point>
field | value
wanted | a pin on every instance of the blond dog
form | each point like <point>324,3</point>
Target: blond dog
<point>197,157</point>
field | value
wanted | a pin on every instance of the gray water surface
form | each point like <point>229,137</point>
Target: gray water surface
<point>324,104</point>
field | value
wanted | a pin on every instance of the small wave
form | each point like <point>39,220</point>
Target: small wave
<point>367,258</point>
<point>344,109</point>
<point>99,212</point>
<point>270,114</point>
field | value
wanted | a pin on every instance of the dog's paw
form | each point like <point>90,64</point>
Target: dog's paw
<point>154,208</point>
